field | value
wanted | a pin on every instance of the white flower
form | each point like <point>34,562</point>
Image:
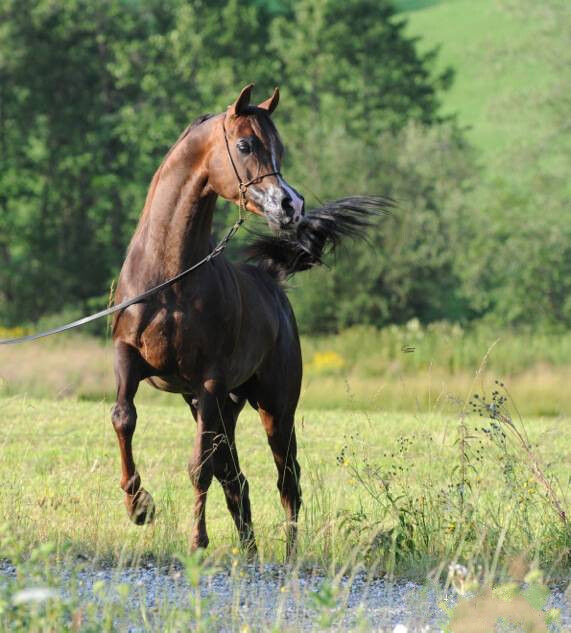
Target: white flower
<point>34,594</point>
<point>458,571</point>
<point>400,628</point>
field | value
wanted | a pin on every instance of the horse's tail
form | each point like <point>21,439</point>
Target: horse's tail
<point>318,233</point>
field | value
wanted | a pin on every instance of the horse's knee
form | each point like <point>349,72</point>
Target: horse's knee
<point>200,473</point>
<point>124,418</point>
<point>236,490</point>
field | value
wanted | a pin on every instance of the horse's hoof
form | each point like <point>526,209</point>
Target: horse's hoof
<point>250,552</point>
<point>140,507</point>
<point>198,542</point>
<point>248,546</point>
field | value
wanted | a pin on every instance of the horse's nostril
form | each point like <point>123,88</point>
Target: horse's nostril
<point>287,204</point>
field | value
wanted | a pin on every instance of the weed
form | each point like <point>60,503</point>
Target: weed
<point>485,505</point>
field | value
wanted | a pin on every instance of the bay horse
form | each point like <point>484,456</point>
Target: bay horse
<point>222,335</point>
<point>225,334</point>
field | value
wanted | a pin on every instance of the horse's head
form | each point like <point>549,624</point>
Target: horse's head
<point>245,163</point>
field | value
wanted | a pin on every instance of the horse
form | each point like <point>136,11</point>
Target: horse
<point>226,334</point>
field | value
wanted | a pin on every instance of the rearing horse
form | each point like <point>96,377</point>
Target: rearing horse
<point>223,335</point>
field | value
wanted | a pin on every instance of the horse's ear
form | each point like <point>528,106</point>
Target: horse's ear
<point>242,101</point>
<point>272,103</point>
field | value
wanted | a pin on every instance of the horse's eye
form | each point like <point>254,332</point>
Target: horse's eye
<point>243,146</point>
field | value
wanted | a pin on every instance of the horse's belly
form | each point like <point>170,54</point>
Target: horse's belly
<point>183,349</point>
<point>173,384</point>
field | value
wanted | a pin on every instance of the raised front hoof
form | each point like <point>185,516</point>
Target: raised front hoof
<point>140,507</point>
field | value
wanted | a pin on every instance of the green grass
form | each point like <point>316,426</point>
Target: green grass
<point>414,5</point>
<point>500,65</point>
<point>407,368</point>
<point>396,495</point>
<point>380,489</point>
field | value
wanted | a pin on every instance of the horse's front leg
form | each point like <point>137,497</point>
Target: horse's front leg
<point>139,503</point>
<point>200,467</point>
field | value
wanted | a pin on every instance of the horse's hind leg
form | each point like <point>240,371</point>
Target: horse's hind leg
<point>228,472</point>
<point>281,438</point>
<point>138,501</point>
<point>200,468</point>
<point>225,466</point>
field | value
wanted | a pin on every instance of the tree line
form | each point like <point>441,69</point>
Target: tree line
<point>93,94</point>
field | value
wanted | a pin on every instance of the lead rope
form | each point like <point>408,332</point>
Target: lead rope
<point>217,250</point>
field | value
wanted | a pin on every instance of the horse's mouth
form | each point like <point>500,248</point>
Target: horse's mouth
<point>280,223</point>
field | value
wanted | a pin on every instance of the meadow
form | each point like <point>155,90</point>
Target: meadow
<point>430,454</point>
<point>363,473</point>
<point>488,44</point>
<point>414,458</point>
<point>396,495</point>
<point>408,368</point>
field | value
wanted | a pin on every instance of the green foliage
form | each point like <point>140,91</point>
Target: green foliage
<point>93,94</point>
<point>406,268</point>
<point>512,90</point>
<point>396,368</point>
<point>483,510</point>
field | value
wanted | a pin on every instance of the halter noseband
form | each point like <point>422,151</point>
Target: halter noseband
<point>243,185</point>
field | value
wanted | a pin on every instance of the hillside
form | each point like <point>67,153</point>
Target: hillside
<point>504,74</point>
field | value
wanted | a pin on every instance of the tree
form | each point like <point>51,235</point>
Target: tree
<point>407,266</point>
<point>93,94</point>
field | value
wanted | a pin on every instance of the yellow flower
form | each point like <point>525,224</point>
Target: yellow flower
<point>323,361</point>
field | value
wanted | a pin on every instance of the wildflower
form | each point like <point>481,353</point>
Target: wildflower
<point>413,325</point>
<point>400,628</point>
<point>458,571</point>
<point>458,575</point>
<point>328,360</point>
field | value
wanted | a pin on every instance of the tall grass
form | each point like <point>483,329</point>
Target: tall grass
<point>406,368</point>
<point>413,496</point>
<point>401,492</point>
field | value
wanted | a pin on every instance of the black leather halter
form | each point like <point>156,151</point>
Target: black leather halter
<point>243,185</point>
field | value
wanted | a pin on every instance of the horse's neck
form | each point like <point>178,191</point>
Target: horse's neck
<point>175,227</point>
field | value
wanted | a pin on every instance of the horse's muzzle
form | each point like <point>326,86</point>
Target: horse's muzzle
<point>284,206</point>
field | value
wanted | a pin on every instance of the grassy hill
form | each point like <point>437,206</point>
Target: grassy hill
<point>504,70</point>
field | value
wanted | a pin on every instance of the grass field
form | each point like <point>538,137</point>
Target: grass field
<point>402,496</point>
<point>396,482</point>
<point>407,368</point>
<point>401,492</point>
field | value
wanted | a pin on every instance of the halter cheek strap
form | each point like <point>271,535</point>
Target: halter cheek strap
<point>243,185</point>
